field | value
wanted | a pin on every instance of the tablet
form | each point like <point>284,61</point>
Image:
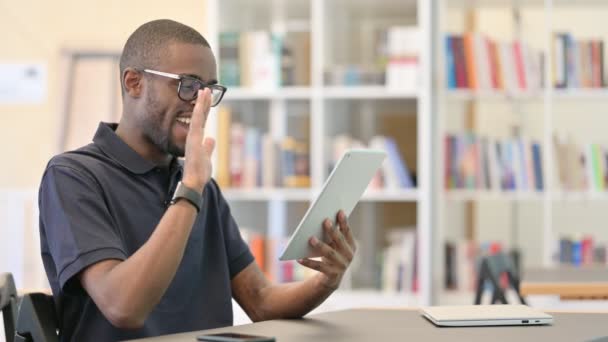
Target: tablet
<point>342,190</point>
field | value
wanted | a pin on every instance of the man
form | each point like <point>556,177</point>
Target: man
<point>136,243</point>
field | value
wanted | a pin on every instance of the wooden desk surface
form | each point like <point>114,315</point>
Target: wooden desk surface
<point>361,325</point>
<point>567,282</point>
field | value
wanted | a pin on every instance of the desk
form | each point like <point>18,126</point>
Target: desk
<point>567,282</point>
<point>407,325</point>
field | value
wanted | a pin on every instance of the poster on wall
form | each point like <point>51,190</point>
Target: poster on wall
<point>23,83</point>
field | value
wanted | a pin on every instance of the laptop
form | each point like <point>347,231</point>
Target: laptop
<point>485,315</point>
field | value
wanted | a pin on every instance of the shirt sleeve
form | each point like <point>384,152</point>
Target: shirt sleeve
<point>239,255</point>
<point>76,221</point>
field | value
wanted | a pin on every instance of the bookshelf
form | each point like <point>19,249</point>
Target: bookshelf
<point>328,86</point>
<point>532,221</point>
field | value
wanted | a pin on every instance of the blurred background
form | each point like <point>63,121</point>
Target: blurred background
<point>492,113</point>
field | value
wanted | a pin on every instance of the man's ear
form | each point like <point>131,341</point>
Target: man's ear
<point>132,81</point>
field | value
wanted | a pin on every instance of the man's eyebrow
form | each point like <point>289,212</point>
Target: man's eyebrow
<point>213,81</point>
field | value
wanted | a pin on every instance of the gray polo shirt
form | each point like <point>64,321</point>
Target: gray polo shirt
<point>103,201</point>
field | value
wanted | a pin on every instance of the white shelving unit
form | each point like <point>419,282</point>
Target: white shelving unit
<point>542,113</point>
<point>328,22</point>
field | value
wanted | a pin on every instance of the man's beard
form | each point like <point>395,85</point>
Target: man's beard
<point>160,139</point>
<point>152,125</point>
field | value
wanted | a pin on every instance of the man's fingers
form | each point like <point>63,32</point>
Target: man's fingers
<point>345,229</point>
<point>209,145</point>
<point>328,253</point>
<point>338,241</point>
<point>316,265</point>
<point>199,113</point>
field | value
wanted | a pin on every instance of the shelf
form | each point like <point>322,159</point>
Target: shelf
<point>296,93</point>
<point>475,195</point>
<point>480,195</point>
<point>400,195</point>
<point>367,92</point>
<point>567,94</point>
<point>492,3</point>
<point>266,194</point>
<point>580,196</point>
<point>470,95</point>
<point>333,92</point>
<point>556,94</point>
<point>521,3</point>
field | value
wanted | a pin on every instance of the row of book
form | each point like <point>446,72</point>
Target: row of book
<point>394,173</point>
<point>262,59</point>
<point>474,61</point>
<point>581,251</point>
<point>578,63</point>
<point>395,61</point>
<point>399,262</point>
<point>248,158</point>
<point>581,167</point>
<point>475,162</point>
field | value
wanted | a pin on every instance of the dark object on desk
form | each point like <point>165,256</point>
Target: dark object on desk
<point>491,269</point>
<point>234,337</point>
<point>37,319</point>
<point>8,304</point>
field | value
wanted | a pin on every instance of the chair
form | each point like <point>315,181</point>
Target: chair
<point>491,269</point>
<point>37,320</point>
<point>8,304</point>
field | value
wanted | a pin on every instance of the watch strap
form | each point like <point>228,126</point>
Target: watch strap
<point>189,194</point>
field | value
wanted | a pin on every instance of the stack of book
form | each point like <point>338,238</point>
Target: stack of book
<point>578,63</point>
<point>249,158</point>
<point>480,163</point>
<point>394,61</point>
<point>581,167</point>
<point>399,266</point>
<point>266,251</point>
<point>260,59</point>
<point>581,251</point>
<point>476,62</point>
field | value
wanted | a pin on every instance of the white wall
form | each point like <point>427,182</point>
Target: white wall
<point>37,31</point>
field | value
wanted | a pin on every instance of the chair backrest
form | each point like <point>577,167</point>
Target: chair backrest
<point>8,304</point>
<point>37,319</point>
<point>491,269</point>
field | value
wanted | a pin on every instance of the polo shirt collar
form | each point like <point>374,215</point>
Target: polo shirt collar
<point>111,144</point>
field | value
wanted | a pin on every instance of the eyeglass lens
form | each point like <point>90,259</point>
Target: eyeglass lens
<point>189,90</point>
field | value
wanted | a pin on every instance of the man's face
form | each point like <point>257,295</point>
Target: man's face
<point>163,107</point>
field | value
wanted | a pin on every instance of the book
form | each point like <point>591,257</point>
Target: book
<point>477,62</point>
<point>229,65</point>
<point>482,163</point>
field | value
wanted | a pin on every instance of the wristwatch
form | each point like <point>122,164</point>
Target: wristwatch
<point>190,195</point>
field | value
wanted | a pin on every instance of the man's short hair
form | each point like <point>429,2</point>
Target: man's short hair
<point>149,42</point>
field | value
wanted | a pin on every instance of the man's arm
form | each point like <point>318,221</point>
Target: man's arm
<point>262,300</point>
<point>127,291</point>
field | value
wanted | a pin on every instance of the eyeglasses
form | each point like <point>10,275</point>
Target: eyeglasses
<point>188,87</point>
